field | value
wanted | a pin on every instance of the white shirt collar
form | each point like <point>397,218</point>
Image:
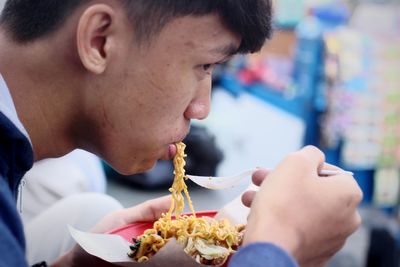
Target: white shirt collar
<point>7,107</point>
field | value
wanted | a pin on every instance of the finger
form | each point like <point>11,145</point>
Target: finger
<point>148,211</point>
<point>248,197</point>
<point>315,155</point>
<point>259,176</point>
<point>304,163</point>
<point>330,167</point>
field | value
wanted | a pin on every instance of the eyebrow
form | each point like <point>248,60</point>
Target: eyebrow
<point>226,50</point>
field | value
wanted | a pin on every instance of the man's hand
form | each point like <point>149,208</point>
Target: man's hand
<point>147,211</point>
<point>307,215</point>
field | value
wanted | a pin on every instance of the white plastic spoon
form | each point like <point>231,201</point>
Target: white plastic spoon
<point>216,183</point>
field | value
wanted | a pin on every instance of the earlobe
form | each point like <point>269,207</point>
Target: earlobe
<point>93,37</point>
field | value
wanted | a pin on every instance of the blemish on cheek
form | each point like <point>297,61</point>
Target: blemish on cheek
<point>190,44</point>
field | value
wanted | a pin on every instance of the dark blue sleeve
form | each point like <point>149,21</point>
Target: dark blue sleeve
<point>262,254</point>
<point>12,246</point>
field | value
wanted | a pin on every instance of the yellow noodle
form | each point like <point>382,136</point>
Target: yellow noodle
<point>183,227</point>
<point>178,203</point>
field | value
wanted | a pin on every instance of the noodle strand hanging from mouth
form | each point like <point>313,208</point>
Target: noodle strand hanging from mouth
<point>178,202</point>
<point>207,240</point>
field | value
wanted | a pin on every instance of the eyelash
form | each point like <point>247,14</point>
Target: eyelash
<point>208,67</point>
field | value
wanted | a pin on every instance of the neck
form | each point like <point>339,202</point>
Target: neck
<point>43,94</point>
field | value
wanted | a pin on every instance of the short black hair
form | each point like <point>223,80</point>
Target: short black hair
<point>28,20</point>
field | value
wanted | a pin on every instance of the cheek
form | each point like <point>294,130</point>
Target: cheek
<point>172,94</point>
<point>156,98</point>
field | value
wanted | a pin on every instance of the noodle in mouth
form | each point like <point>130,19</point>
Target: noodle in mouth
<point>207,240</point>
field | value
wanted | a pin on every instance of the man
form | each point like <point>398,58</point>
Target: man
<point>123,79</point>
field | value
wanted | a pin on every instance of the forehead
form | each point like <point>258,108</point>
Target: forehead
<point>201,34</point>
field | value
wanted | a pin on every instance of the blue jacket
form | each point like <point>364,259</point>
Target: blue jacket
<point>262,255</point>
<point>16,158</point>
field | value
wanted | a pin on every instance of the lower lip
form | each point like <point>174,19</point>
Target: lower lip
<point>170,152</point>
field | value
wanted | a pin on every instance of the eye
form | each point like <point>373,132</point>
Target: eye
<point>208,67</point>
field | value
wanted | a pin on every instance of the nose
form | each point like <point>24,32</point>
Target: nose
<point>199,107</point>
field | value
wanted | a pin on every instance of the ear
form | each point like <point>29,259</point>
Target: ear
<point>95,40</point>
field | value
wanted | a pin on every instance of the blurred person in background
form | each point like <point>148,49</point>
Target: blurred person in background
<point>53,179</point>
<point>123,79</point>
<point>62,184</point>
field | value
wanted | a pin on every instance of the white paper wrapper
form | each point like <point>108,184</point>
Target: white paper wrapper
<point>235,211</point>
<point>114,248</point>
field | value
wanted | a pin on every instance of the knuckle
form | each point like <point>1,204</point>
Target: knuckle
<point>297,158</point>
<point>314,150</point>
<point>307,155</point>
<point>296,161</point>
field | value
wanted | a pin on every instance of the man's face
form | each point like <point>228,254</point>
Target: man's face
<point>153,91</point>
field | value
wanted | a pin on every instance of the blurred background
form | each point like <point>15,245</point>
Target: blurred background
<point>329,77</point>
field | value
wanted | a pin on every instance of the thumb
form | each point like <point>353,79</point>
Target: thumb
<point>148,211</point>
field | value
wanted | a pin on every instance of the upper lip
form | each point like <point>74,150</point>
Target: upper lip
<point>183,136</point>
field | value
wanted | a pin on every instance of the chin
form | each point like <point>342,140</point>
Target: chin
<point>130,169</point>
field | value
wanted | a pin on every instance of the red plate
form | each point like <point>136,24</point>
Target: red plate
<point>136,229</point>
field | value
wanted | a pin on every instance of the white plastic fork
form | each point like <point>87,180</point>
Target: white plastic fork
<point>217,183</point>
